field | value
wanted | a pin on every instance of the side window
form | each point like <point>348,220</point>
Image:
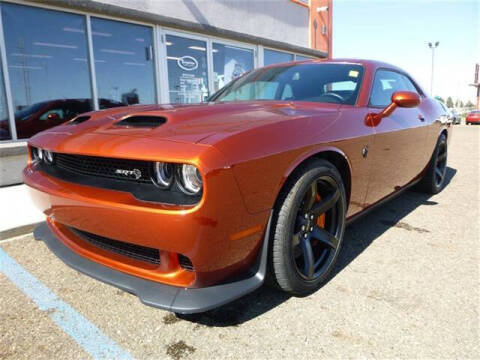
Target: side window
<point>385,84</point>
<point>57,113</point>
<point>408,84</point>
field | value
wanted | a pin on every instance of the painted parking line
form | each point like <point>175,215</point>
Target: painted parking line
<point>87,335</point>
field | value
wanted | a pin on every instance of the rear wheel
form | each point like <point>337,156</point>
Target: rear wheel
<point>309,228</point>
<point>434,178</point>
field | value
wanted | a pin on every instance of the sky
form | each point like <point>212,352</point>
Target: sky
<point>398,32</point>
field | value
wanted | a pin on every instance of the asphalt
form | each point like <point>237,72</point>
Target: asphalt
<point>407,285</point>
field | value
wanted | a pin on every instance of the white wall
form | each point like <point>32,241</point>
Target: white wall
<point>280,20</point>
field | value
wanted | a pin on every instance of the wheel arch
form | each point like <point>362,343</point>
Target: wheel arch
<point>333,155</point>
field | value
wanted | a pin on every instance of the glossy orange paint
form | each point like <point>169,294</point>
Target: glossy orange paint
<point>245,151</point>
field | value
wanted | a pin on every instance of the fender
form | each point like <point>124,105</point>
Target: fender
<point>311,152</point>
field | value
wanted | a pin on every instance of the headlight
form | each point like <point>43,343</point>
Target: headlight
<point>39,154</point>
<point>163,174</point>
<point>48,156</point>
<point>190,180</point>
<point>36,154</point>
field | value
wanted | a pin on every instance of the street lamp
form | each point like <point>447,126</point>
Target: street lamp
<point>433,47</point>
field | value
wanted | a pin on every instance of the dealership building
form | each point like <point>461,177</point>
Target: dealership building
<point>61,58</point>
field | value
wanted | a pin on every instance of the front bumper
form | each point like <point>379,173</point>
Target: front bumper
<point>171,298</point>
<point>218,235</point>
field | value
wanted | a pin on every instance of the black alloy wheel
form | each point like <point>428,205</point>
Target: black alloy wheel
<point>433,180</point>
<point>441,164</point>
<point>309,229</point>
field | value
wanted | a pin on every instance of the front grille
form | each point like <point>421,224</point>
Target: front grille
<point>119,169</point>
<point>133,251</point>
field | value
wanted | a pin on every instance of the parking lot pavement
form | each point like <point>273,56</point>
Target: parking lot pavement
<point>407,285</point>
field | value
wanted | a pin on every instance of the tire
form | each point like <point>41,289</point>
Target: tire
<point>303,234</point>
<point>434,179</point>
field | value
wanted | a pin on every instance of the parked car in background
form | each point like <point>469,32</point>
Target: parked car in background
<point>473,118</point>
<point>446,114</point>
<point>456,117</point>
<point>44,115</point>
<point>185,205</point>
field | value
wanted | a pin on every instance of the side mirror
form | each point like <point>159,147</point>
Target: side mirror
<point>404,99</point>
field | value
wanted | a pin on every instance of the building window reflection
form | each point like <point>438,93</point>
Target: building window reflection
<point>229,62</point>
<point>274,57</point>
<point>4,123</point>
<point>47,63</point>
<point>124,66</point>
<point>302,58</point>
<point>187,69</point>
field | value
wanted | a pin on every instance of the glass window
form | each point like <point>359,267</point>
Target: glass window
<point>385,84</point>
<point>124,65</point>
<point>47,64</point>
<point>302,82</point>
<point>274,57</point>
<point>301,58</point>
<point>229,62</point>
<point>4,124</point>
<point>187,69</point>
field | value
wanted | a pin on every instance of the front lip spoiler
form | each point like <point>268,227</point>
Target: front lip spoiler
<point>171,298</point>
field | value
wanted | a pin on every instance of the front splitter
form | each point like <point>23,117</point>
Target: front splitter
<point>171,298</point>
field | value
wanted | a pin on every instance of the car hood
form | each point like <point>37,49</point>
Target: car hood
<point>194,123</point>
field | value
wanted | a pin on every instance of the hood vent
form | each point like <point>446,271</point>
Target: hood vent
<point>142,121</point>
<point>79,120</point>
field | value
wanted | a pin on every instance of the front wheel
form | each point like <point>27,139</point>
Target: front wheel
<point>309,228</point>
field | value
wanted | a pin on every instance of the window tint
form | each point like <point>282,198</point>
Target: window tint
<point>47,62</point>
<point>326,83</point>
<point>385,84</point>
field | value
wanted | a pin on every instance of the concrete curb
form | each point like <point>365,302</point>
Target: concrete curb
<point>17,231</point>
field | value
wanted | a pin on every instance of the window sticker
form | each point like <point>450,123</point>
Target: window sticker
<point>353,73</point>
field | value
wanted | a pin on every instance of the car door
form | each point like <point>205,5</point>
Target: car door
<point>398,149</point>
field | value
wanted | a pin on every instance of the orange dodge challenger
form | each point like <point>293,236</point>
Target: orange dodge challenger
<point>192,206</point>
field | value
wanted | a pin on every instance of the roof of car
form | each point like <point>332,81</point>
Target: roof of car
<point>366,62</point>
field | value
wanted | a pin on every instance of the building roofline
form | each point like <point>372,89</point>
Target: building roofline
<point>137,15</point>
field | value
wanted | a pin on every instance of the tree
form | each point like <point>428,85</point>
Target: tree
<point>469,104</point>
<point>449,102</point>
<point>461,104</point>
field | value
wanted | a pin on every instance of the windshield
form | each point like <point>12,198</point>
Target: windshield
<point>325,83</point>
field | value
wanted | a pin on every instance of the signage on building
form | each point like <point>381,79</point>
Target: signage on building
<point>188,63</point>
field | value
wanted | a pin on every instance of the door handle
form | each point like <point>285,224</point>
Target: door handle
<point>421,118</point>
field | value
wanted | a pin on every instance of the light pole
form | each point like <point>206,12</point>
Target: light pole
<point>433,47</point>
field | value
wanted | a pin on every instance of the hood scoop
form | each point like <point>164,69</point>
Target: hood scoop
<point>79,120</point>
<point>142,121</point>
